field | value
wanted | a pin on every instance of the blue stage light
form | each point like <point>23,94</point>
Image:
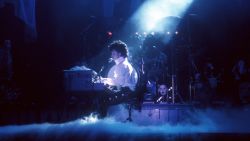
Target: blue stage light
<point>151,15</point>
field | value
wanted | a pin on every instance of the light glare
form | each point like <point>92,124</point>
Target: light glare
<point>152,12</point>
<point>90,119</point>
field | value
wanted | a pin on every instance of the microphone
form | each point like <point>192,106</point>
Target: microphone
<point>110,60</point>
<point>101,69</point>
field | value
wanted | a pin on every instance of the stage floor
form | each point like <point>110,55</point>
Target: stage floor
<point>152,122</point>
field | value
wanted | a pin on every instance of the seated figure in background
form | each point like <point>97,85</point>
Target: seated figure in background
<point>162,95</point>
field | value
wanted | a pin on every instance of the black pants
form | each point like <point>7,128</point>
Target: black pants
<point>115,97</point>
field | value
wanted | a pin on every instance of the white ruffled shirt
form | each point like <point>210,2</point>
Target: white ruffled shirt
<point>122,74</point>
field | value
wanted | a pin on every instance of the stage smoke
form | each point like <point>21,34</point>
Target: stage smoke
<point>201,121</point>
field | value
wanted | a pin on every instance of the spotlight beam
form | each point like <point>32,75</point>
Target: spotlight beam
<point>152,12</point>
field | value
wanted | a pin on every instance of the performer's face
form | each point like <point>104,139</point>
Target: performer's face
<point>115,55</point>
<point>162,90</point>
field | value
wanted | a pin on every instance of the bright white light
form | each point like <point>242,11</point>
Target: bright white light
<point>152,12</point>
<point>90,119</point>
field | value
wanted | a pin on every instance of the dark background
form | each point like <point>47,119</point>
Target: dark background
<point>75,31</point>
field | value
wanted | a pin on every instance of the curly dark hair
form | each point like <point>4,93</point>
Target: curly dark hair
<point>120,47</point>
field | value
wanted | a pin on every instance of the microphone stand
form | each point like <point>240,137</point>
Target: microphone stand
<point>105,66</point>
<point>98,75</point>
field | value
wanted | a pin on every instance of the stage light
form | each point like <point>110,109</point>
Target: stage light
<point>151,14</point>
<point>176,32</point>
<point>109,33</point>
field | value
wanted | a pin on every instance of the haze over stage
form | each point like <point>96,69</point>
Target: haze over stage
<point>191,57</point>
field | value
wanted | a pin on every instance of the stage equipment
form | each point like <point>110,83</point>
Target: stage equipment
<point>79,79</point>
<point>149,113</point>
<point>150,91</point>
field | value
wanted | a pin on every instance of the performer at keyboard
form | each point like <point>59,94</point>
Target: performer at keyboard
<point>122,74</point>
<point>121,79</point>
